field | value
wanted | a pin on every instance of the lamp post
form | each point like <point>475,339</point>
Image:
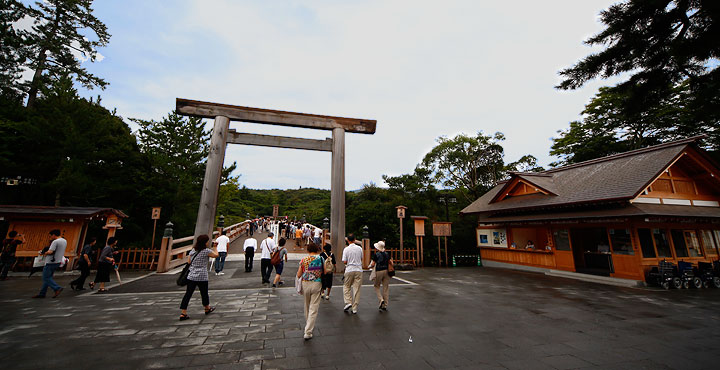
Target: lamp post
<point>366,234</point>
<point>445,199</point>
<point>366,246</point>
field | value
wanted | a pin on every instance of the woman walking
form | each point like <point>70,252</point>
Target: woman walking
<point>283,257</point>
<point>198,275</point>
<point>380,260</point>
<point>105,265</point>
<point>327,278</point>
<point>310,273</point>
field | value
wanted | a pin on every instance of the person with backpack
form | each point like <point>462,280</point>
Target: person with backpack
<point>87,255</point>
<point>9,248</point>
<point>277,261</point>
<point>327,278</point>
<point>381,261</point>
<point>267,247</point>
<point>198,275</point>
<point>310,273</point>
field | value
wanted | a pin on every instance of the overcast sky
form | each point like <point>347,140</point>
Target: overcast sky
<point>422,69</point>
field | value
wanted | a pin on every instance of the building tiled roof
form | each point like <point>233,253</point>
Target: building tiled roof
<point>11,210</point>
<point>619,177</point>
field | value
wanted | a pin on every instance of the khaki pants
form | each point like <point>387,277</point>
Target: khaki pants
<point>351,288</point>
<point>311,291</point>
<point>382,278</point>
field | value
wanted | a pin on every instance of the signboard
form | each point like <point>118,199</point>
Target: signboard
<point>275,210</point>
<point>419,225</point>
<point>156,213</point>
<point>492,238</point>
<point>401,211</point>
<point>442,228</point>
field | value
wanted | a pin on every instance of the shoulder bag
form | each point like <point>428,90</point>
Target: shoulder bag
<point>182,279</point>
<point>391,268</point>
<point>276,259</point>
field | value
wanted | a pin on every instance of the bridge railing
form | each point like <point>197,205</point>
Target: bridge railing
<point>174,252</point>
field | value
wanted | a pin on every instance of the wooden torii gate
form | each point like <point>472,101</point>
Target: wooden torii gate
<point>222,135</point>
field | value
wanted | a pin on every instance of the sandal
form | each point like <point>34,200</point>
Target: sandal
<point>102,290</point>
<point>184,316</point>
<point>211,309</point>
<point>92,285</point>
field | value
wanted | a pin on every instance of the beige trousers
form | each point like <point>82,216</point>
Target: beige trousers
<point>351,288</point>
<point>382,278</point>
<point>311,291</point>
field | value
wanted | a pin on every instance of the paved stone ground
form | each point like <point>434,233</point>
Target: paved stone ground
<point>471,318</point>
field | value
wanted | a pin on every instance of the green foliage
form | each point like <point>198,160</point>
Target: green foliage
<point>670,51</point>
<point>62,29</point>
<point>11,57</point>
<point>471,164</point>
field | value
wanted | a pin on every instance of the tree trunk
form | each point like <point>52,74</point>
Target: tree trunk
<point>34,85</point>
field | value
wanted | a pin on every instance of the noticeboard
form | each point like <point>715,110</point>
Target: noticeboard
<point>156,213</point>
<point>442,228</point>
<point>419,227</point>
<point>275,210</point>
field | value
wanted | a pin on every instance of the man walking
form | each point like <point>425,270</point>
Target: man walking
<point>87,255</point>
<point>267,247</point>
<point>249,248</point>
<point>317,236</point>
<point>53,258</point>
<point>222,244</point>
<point>352,257</point>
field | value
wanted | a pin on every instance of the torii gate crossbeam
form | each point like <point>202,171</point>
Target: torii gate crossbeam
<point>222,135</point>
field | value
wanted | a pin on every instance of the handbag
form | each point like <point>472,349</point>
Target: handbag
<point>298,285</point>
<point>276,259</point>
<point>183,278</point>
<point>39,261</point>
<point>391,269</point>
<point>373,274</point>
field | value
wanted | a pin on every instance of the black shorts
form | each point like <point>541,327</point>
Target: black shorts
<point>326,280</point>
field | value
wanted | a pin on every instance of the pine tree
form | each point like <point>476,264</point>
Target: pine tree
<point>12,50</point>
<point>55,40</point>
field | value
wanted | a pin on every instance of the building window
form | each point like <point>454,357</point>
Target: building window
<point>678,238</point>
<point>562,240</point>
<point>662,243</point>
<point>621,241</point>
<point>693,243</point>
<point>646,243</point>
<point>708,243</point>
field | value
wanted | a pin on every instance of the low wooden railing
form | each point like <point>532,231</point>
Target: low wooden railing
<point>409,255</point>
<point>174,252</point>
<point>138,258</point>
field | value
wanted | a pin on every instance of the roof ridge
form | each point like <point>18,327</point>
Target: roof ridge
<point>630,153</point>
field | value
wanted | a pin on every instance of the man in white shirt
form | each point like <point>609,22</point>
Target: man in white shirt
<point>318,237</point>
<point>352,257</point>
<point>53,258</point>
<point>249,248</point>
<point>222,245</point>
<point>267,247</point>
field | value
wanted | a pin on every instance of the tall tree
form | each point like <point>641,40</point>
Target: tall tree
<point>61,34</point>
<point>669,51</point>
<point>471,164</point>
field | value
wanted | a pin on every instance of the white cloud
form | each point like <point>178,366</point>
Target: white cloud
<point>422,69</point>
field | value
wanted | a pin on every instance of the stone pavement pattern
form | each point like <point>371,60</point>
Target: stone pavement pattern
<point>472,318</point>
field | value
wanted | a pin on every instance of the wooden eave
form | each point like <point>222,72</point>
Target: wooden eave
<point>503,193</point>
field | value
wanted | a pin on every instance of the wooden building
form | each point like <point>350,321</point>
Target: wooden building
<point>615,216</point>
<point>35,222</point>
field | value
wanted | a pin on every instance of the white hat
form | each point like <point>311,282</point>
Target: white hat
<point>380,245</point>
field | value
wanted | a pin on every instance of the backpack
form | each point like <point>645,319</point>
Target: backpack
<point>275,258</point>
<point>328,266</point>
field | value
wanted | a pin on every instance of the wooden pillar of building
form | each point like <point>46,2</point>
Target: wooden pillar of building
<point>337,195</point>
<point>211,183</point>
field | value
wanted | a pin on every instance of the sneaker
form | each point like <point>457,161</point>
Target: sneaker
<point>347,307</point>
<point>327,297</point>
<point>354,311</point>
<point>281,283</point>
<point>221,273</point>
<point>217,274</point>
<point>307,336</point>
<point>322,296</point>
<point>381,305</point>
<point>274,286</point>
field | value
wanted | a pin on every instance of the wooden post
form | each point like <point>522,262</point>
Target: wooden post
<point>366,252</point>
<point>439,253</point>
<point>165,249</point>
<point>337,195</point>
<point>446,253</point>
<point>401,241</point>
<point>211,183</point>
<point>421,251</point>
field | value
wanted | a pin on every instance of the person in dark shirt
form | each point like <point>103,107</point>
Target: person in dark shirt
<point>327,278</point>
<point>7,257</point>
<point>87,255</point>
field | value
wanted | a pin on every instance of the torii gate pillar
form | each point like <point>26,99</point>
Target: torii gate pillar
<point>337,194</point>
<point>211,183</point>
